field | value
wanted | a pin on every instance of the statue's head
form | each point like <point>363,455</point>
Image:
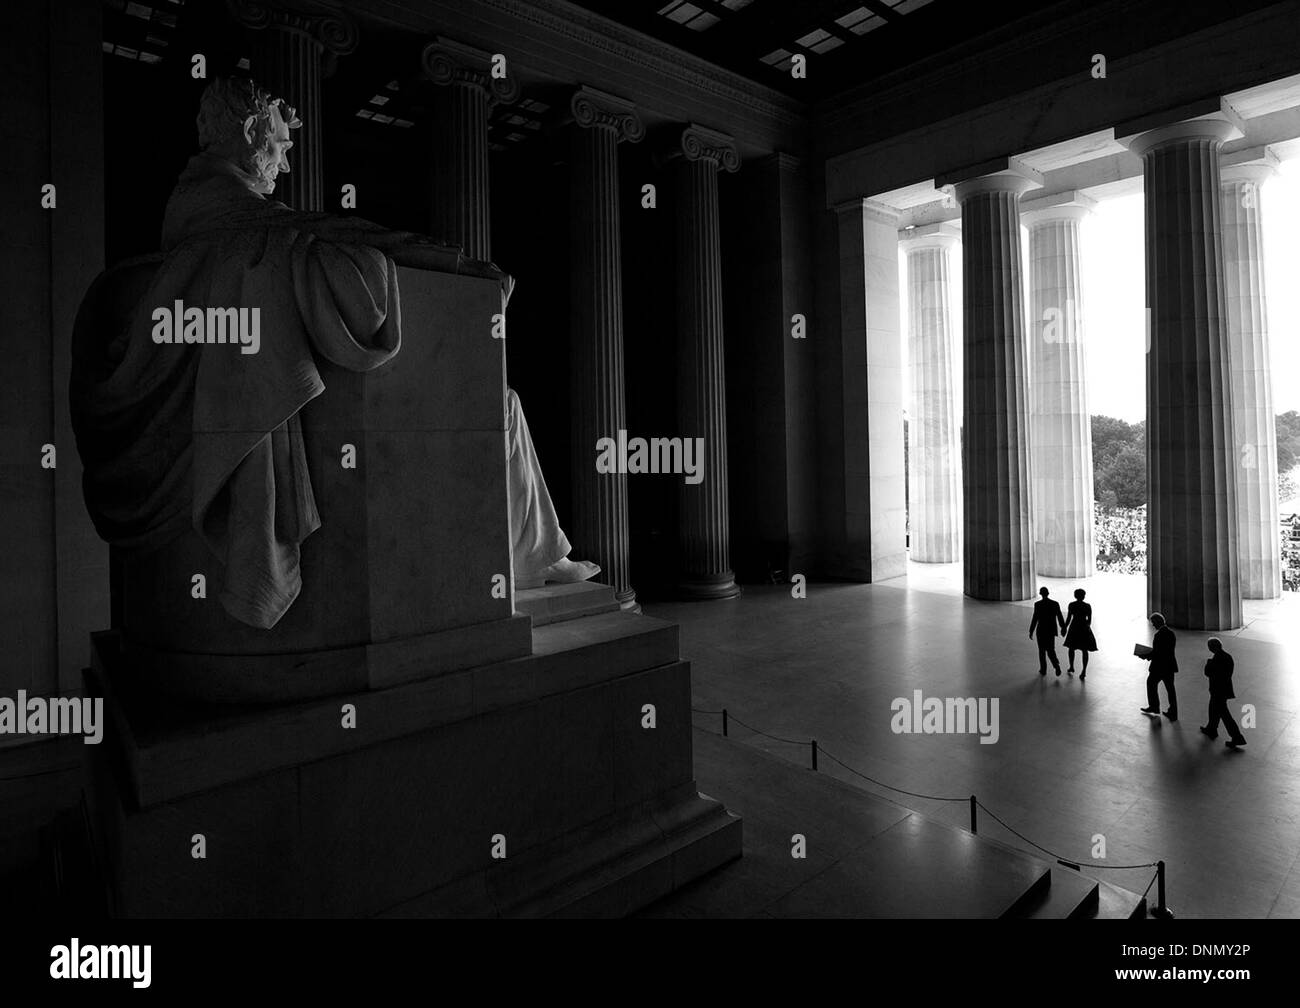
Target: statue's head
<point>241,122</point>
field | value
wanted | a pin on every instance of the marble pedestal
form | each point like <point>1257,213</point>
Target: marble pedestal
<point>366,755</point>
<point>303,817</point>
<point>398,580</point>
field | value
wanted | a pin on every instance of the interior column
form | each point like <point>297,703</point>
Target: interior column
<point>598,404</point>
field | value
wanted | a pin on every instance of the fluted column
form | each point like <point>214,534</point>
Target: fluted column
<point>597,403</point>
<point>464,93</point>
<point>1060,461</point>
<point>997,523</point>
<point>1193,573</point>
<point>1254,426</point>
<point>705,524</point>
<point>934,464</point>
<point>287,49</point>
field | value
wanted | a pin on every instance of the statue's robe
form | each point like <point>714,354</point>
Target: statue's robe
<point>536,539</point>
<point>176,436</point>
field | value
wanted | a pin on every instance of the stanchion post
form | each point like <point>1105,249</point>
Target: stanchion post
<point>724,722</point>
<point>972,815</point>
<point>1162,907</point>
<point>814,754</point>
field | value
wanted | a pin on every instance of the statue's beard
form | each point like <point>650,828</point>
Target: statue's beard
<point>266,169</point>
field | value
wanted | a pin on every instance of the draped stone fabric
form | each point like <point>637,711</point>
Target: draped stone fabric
<point>536,539</point>
<point>179,436</point>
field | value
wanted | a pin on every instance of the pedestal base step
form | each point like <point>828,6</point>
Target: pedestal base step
<point>557,783</point>
<point>558,602</point>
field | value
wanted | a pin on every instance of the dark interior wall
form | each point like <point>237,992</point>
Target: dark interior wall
<point>771,404</point>
<point>530,192</point>
<point>650,345</point>
<point>799,358</point>
<point>149,130</point>
<point>54,588</point>
<point>757,406</point>
<point>828,379</point>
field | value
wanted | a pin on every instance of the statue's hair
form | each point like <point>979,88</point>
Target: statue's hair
<point>227,103</point>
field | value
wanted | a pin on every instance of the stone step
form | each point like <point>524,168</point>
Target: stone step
<point>1064,894</point>
<point>558,602</point>
<point>868,856</point>
<point>919,868</point>
<point>1114,903</point>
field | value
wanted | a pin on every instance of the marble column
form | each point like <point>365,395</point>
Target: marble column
<point>287,49</point>
<point>597,402</point>
<point>464,94</point>
<point>1192,572</point>
<point>1060,460</point>
<point>705,524</point>
<point>1259,549</point>
<point>998,549</point>
<point>934,465</point>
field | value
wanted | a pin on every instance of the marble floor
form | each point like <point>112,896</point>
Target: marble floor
<point>1074,760</point>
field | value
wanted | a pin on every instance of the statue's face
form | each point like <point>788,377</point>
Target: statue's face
<point>278,145</point>
<point>269,158</point>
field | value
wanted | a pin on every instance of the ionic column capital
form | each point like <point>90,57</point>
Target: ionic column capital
<point>333,30</point>
<point>593,109</point>
<point>1213,120</point>
<point>446,62</point>
<point>699,143</point>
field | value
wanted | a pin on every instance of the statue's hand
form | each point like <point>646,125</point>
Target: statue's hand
<point>507,288</point>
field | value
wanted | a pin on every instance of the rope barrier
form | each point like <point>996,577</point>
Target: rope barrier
<point>816,749</point>
<point>859,773</point>
<point>1058,857</point>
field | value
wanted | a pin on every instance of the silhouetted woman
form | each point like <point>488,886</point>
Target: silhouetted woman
<point>1078,631</point>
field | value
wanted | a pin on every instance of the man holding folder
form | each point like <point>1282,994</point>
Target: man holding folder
<point>1164,666</point>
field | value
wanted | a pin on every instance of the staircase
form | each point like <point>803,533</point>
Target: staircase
<point>868,857</point>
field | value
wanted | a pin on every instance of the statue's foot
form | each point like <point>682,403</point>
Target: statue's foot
<point>563,571</point>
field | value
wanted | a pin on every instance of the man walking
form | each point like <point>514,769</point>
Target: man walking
<point>1219,671</point>
<point>1047,617</point>
<point>1164,666</point>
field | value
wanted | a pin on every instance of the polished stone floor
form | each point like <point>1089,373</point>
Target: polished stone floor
<point>1074,759</point>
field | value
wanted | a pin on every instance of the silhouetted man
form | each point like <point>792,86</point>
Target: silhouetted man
<point>1219,671</point>
<point>1047,617</point>
<point>1164,666</point>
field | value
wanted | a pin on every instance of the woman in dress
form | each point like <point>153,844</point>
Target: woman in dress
<point>1078,631</point>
